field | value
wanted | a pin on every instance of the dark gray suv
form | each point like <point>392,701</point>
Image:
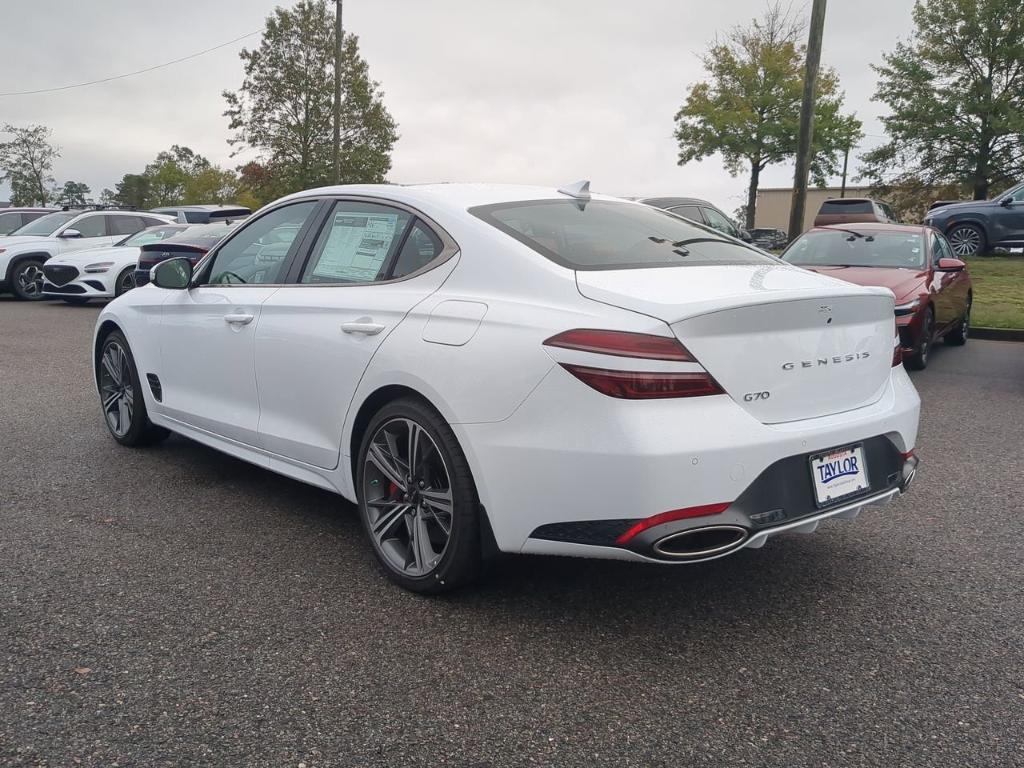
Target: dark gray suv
<point>976,226</point>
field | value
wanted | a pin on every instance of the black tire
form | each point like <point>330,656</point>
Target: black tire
<point>117,374</point>
<point>967,240</point>
<point>27,280</point>
<point>125,281</point>
<point>459,562</point>
<point>918,361</point>
<point>76,301</point>
<point>958,336</point>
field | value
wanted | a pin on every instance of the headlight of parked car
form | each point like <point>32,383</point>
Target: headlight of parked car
<point>907,309</point>
<point>99,266</point>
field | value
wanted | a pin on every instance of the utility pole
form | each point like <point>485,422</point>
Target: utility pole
<point>846,160</point>
<point>803,152</point>
<point>338,40</point>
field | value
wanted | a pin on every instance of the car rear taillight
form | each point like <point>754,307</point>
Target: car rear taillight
<point>639,385</point>
<point>622,344</point>
<point>635,385</point>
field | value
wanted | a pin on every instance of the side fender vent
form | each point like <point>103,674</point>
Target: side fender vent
<point>154,386</point>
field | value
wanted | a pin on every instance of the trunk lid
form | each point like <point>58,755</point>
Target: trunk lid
<point>784,343</point>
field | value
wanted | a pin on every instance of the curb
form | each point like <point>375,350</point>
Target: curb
<point>997,334</point>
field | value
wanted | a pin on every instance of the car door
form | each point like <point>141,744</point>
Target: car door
<point>93,233</point>
<point>954,285</point>
<point>942,283</point>
<point>371,263</point>
<point>1009,218</point>
<point>206,332</point>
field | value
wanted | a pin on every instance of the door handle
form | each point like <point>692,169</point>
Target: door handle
<point>241,318</point>
<point>363,325</point>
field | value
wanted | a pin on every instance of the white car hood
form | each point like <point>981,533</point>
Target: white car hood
<point>122,255</point>
<point>15,240</point>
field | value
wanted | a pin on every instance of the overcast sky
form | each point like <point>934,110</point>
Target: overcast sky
<point>532,91</point>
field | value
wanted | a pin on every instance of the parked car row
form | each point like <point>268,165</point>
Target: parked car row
<point>527,370</point>
<point>83,253</point>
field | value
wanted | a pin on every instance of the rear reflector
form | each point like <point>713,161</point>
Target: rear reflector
<point>637,385</point>
<point>671,516</point>
<point>622,344</point>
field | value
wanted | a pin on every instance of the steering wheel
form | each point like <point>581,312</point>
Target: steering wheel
<point>226,273</point>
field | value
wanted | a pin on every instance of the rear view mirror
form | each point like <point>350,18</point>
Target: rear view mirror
<point>70,233</point>
<point>173,274</point>
<point>950,265</point>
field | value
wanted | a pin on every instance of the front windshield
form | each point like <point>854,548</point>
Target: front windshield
<point>850,248</point>
<point>599,234</point>
<point>151,235</point>
<point>45,226</point>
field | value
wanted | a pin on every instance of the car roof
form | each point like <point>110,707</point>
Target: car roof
<point>668,202</point>
<point>200,208</point>
<point>451,197</point>
<point>872,226</point>
<point>28,209</point>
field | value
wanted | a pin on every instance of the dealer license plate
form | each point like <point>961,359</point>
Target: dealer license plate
<point>839,473</point>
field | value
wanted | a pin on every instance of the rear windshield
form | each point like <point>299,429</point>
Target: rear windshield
<point>846,206</point>
<point>603,234</point>
<point>841,248</point>
<point>204,236</point>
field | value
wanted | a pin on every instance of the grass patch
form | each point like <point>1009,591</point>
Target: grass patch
<point>998,291</point>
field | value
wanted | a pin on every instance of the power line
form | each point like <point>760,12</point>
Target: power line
<point>129,74</point>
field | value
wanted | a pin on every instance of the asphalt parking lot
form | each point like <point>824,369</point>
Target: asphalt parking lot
<point>173,606</point>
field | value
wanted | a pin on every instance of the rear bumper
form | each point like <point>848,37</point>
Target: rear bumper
<point>570,456</point>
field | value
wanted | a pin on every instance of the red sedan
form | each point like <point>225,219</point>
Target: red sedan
<point>932,286</point>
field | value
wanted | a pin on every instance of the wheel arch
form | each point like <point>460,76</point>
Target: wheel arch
<point>20,257</point>
<point>105,328</point>
<point>388,393</point>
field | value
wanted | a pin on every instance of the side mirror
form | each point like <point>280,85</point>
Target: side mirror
<point>70,233</point>
<point>1006,202</point>
<point>745,236</point>
<point>950,265</point>
<point>173,274</point>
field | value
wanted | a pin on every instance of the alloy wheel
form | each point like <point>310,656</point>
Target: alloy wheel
<point>127,282</point>
<point>965,327</point>
<point>116,389</point>
<point>926,338</point>
<point>966,241</point>
<point>30,281</point>
<point>408,496</point>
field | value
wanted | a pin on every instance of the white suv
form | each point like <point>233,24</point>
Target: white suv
<point>24,251</point>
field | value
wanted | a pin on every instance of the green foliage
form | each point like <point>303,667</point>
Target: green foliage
<point>175,177</point>
<point>72,193</point>
<point>26,161</point>
<point>748,109</point>
<point>955,91</point>
<point>284,107</point>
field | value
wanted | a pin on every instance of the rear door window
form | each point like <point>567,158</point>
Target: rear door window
<point>123,225</point>
<point>9,222</point>
<point>420,248</point>
<point>719,222</point>
<point>691,212</point>
<point>836,207</point>
<point>604,234</point>
<point>357,243</point>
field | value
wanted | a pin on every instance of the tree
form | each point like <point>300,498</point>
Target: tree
<point>284,108</point>
<point>170,173</point>
<point>132,190</point>
<point>211,185</point>
<point>955,91</point>
<point>26,161</point>
<point>73,193</point>
<point>748,109</point>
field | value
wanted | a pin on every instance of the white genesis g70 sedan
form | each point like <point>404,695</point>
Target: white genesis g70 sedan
<point>519,369</point>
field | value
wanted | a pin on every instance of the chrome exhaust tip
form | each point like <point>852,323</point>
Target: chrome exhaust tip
<point>908,473</point>
<point>697,543</point>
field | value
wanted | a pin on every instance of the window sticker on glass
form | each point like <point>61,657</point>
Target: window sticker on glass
<point>357,246</point>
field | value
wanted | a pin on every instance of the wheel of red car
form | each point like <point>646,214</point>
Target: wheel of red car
<point>967,240</point>
<point>919,359</point>
<point>958,336</point>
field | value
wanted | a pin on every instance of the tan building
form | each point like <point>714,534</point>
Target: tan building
<point>773,204</point>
